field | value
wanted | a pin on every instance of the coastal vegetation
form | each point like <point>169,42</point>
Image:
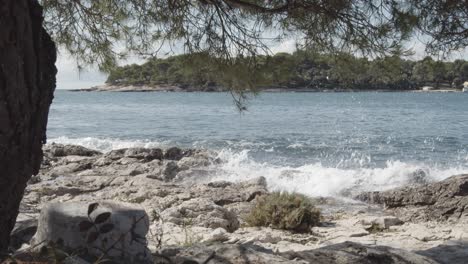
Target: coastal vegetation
<point>282,210</point>
<point>101,32</point>
<point>301,69</point>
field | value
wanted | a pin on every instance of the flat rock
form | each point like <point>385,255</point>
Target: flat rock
<point>221,254</point>
<point>355,253</point>
<point>346,253</point>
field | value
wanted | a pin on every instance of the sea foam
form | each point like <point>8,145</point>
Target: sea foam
<point>313,179</point>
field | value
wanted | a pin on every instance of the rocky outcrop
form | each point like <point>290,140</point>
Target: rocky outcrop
<point>440,201</point>
<point>165,165</point>
<point>186,207</point>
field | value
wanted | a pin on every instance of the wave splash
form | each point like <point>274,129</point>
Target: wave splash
<point>108,144</point>
<point>318,180</point>
<point>312,179</point>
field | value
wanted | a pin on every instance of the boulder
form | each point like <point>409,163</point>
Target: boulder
<point>117,229</point>
<point>440,201</point>
<point>59,150</point>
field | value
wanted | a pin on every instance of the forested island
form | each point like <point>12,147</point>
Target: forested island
<point>301,70</point>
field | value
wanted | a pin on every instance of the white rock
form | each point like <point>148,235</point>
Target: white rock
<point>201,212</point>
<point>192,162</point>
<point>69,224</point>
<point>218,235</point>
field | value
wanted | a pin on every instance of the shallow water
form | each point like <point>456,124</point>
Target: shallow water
<point>314,143</point>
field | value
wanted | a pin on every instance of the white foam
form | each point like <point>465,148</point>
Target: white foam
<point>108,144</point>
<point>312,179</point>
<point>318,180</point>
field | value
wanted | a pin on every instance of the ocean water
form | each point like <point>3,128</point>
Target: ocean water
<point>319,144</point>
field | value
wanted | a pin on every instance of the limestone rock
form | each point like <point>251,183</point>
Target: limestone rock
<point>193,162</point>
<point>386,222</point>
<point>59,150</point>
<point>144,153</point>
<point>69,168</point>
<point>355,253</point>
<point>119,229</point>
<point>238,192</point>
<point>444,200</point>
<point>383,222</point>
<point>345,253</point>
<point>221,254</point>
<point>173,153</point>
<point>450,252</point>
<point>115,154</point>
<point>217,235</point>
<point>201,212</point>
<point>167,172</point>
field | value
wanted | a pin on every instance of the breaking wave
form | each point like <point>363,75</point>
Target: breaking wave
<point>314,178</point>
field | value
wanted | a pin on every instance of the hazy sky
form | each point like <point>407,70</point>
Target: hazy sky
<point>69,77</point>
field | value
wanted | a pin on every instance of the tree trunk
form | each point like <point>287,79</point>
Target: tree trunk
<point>27,83</point>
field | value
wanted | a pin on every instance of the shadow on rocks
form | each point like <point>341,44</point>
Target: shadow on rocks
<point>453,252</point>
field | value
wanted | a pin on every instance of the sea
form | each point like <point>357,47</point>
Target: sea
<point>318,144</point>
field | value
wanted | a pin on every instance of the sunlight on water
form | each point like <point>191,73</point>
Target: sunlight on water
<point>314,143</point>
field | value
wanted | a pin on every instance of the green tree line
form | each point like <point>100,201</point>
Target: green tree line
<point>300,69</point>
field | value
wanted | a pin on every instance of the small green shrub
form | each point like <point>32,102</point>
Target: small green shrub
<point>282,210</point>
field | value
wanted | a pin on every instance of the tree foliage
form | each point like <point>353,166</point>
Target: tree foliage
<point>96,30</point>
<point>102,31</point>
<point>302,69</point>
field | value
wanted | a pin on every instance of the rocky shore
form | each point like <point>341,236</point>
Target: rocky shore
<point>191,218</point>
<point>147,88</point>
<point>172,88</point>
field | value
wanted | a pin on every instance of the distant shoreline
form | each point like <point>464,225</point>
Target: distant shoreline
<point>168,88</point>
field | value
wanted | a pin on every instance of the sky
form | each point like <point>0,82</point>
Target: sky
<point>69,77</point>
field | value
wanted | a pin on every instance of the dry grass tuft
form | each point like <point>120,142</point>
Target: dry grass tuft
<point>282,210</point>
